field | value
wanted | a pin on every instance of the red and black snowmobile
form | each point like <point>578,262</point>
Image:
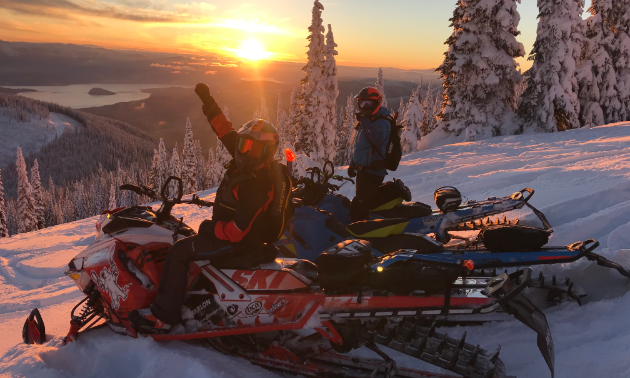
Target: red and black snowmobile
<point>289,314</point>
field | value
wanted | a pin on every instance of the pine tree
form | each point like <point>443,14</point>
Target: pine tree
<point>550,102</point>
<point>175,170</point>
<point>380,85</point>
<point>402,109</point>
<point>313,130</point>
<point>211,171</point>
<point>282,124</point>
<point>479,72</point>
<point>331,85</point>
<point>200,166</point>
<point>608,29</point>
<point>162,166</point>
<point>38,195</point>
<point>4,229</point>
<point>112,197</point>
<point>189,166</point>
<point>294,113</point>
<point>27,221</point>
<point>80,202</point>
<point>264,111</point>
<point>153,175</point>
<point>412,123</point>
<point>350,131</point>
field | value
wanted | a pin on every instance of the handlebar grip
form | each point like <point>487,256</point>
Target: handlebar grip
<point>203,91</point>
<point>204,203</point>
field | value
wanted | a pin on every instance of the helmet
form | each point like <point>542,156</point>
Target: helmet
<point>369,101</point>
<point>256,145</point>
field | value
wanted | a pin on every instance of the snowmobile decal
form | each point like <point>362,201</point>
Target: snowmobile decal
<point>277,306</point>
<point>253,308</point>
<point>265,279</point>
<point>107,281</point>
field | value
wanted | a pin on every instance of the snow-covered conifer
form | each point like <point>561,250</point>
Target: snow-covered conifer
<point>479,72</point>
<point>550,102</point>
<point>331,85</point>
<point>175,170</point>
<point>282,125</point>
<point>201,166</point>
<point>294,113</point>
<point>162,171</point>
<point>80,201</point>
<point>189,166</point>
<point>153,174</point>
<point>27,221</point>
<point>38,195</point>
<point>349,131</point>
<point>412,122</point>
<point>4,230</point>
<point>312,128</point>
<point>112,196</point>
<point>380,85</point>
<point>402,109</point>
<point>264,111</point>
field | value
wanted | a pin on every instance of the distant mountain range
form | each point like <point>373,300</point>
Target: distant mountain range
<point>34,64</point>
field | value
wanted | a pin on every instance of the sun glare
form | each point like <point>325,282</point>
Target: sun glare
<point>252,50</point>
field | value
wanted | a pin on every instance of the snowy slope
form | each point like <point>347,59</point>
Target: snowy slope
<point>582,183</point>
<point>30,136</point>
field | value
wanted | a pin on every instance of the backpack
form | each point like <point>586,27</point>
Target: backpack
<point>280,209</point>
<point>393,153</point>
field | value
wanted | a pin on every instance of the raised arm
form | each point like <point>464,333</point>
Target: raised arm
<point>220,125</point>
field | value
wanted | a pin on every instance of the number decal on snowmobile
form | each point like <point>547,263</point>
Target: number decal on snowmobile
<point>107,281</point>
<point>264,279</point>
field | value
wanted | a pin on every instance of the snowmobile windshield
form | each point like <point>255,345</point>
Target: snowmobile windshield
<point>252,147</point>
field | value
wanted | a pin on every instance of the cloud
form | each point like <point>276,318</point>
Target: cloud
<point>130,10</point>
<point>200,8</point>
<point>211,72</point>
<point>185,68</point>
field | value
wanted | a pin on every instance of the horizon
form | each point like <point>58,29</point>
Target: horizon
<point>246,31</point>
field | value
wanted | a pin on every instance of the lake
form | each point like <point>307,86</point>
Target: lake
<point>76,96</point>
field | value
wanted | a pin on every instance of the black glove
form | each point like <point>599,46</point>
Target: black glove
<point>206,229</point>
<point>212,110</point>
<point>360,114</point>
<point>352,171</point>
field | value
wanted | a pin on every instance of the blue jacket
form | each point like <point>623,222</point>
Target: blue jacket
<point>378,133</point>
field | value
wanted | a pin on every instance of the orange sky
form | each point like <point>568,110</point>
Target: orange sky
<point>397,33</point>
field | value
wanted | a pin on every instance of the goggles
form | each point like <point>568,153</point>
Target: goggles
<point>366,104</point>
<point>253,147</point>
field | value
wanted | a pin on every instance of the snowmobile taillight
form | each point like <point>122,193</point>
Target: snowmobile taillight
<point>290,155</point>
<point>379,269</point>
<point>469,264</point>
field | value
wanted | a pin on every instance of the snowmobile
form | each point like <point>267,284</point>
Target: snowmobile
<point>500,244</point>
<point>451,215</point>
<point>288,314</point>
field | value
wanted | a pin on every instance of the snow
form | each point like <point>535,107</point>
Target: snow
<point>581,179</point>
<point>30,136</point>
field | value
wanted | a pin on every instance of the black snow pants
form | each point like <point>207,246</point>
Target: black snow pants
<point>174,282</point>
<point>366,191</point>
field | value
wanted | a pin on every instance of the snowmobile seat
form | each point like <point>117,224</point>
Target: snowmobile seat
<point>390,195</point>
<point>409,210</point>
<point>378,228</point>
<point>265,254</point>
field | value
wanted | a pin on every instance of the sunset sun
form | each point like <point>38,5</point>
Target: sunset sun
<point>252,50</point>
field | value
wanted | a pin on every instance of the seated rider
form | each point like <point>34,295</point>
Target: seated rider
<point>241,220</point>
<point>370,144</point>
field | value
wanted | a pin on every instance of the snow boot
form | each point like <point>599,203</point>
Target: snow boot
<point>146,322</point>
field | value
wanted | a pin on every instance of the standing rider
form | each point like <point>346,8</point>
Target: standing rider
<point>370,145</point>
<point>244,216</point>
